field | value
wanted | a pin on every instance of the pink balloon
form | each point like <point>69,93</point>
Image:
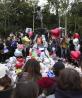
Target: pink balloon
<point>76,35</point>
<point>56,32</point>
<point>30,34</point>
<point>75,55</point>
<point>20,46</point>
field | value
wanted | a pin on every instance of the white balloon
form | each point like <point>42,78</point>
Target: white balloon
<point>75,41</point>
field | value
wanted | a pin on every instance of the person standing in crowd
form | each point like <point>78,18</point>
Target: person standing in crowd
<point>70,48</point>
<point>31,70</point>
<point>63,45</point>
<point>26,89</point>
<point>26,42</point>
<point>81,46</point>
<point>1,50</point>
<point>57,68</point>
<point>71,45</point>
<point>69,84</point>
<point>80,64</point>
<point>13,44</point>
<point>5,52</point>
<point>8,44</point>
<point>58,48</point>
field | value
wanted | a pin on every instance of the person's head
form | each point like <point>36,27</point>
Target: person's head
<point>64,39</point>
<point>26,89</point>
<point>32,66</point>
<point>39,40</point>
<point>69,79</point>
<point>58,66</point>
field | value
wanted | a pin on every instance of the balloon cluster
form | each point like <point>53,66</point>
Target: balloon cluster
<point>75,55</point>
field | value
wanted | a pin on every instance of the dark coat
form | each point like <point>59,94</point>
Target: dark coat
<point>6,93</point>
<point>67,94</point>
<point>1,46</point>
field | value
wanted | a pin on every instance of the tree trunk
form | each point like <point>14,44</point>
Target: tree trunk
<point>75,29</point>
<point>34,18</point>
<point>59,20</point>
<point>65,24</point>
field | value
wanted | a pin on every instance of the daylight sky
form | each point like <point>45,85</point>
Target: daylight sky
<point>43,2</point>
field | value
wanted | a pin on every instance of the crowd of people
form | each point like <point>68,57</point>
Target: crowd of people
<point>42,65</point>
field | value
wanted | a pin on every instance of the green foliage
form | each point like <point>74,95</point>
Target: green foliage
<point>76,15</point>
<point>16,15</point>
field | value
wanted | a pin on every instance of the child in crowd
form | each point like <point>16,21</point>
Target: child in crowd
<point>63,47</point>
<point>1,50</point>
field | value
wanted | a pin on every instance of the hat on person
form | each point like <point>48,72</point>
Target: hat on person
<point>58,66</point>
